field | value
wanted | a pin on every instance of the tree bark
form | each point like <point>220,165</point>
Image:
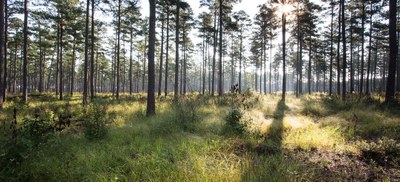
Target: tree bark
<point>85,76</point>
<point>92,89</point>
<point>118,48</point>
<point>61,61</point>
<point>344,52</point>
<point>220,86</point>
<point>151,108</point>
<point>5,51</point>
<point>2,52</point>
<point>166,57</point>
<point>390,88</point>
<point>284,56</point>
<point>25,61</point>
<point>176,86</point>
<point>161,56</point>
<point>362,49</point>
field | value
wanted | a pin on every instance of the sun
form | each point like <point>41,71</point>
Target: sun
<point>284,8</point>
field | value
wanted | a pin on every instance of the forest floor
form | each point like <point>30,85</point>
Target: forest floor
<point>246,137</point>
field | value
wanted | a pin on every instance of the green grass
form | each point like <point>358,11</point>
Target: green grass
<point>188,141</point>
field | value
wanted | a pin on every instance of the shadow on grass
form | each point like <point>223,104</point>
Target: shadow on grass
<point>267,160</point>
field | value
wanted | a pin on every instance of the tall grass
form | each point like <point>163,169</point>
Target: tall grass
<point>188,141</point>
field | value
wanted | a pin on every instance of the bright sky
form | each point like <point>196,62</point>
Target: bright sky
<point>250,6</point>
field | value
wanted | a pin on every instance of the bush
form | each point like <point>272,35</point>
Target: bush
<point>384,151</point>
<point>234,121</point>
<point>187,113</point>
<point>27,138</point>
<point>95,122</point>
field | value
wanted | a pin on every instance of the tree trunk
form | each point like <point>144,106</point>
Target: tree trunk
<point>214,53</point>
<point>390,88</point>
<point>25,62</point>
<point>362,49</point>
<point>367,90</point>
<point>309,67</point>
<point>73,69</point>
<point>151,107</point>
<point>161,56</point>
<point>131,64</point>
<point>118,47</point>
<point>331,54</point>
<point>338,53</point>
<point>85,76</point>
<point>220,86</point>
<point>2,52</point>
<point>344,52</point>
<point>351,57</point>
<point>176,86</point>
<point>240,60</point>
<point>166,56</point>
<point>92,91</point>
<point>284,56</point>
<point>5,52</point>
<point>61,61</point>
<point>57,79</point>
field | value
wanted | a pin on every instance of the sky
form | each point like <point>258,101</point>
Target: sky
<point>250,6</point>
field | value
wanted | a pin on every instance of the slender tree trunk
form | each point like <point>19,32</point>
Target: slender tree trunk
<point>270,65</point>
<point>331,54</point>
<point>338,53</point>
<point>220,86</point>
<point>184,61</point>
<point>367,90</point>
<point>151,106</point>
<point>167,56</point>
<point>131,63</point>
<point>85,74</point>
<point>40,62</point>
<point>204,66</point>
<point>2,53</point>
<point>118,48</point>
<point>57,79</point>
<point>176,86</point>
<point>25,63</point>
<point>301,66</point>
<point>351,58</point>
<point>161,56</point>
<point>284,56</point>
<point>5,52</point>
<point>15,66</point>
<point>240,60</point>
<point>362,49</point>
<point>61,61</point>
<point>144,64</point>
<point>92,89</point>
<point>390,89</point>
<point>73,68</point>
<point>344,52</point>
<point>309,66</point>
<point>214,54</point>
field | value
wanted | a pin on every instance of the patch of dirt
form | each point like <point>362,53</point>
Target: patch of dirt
<point>345,167</point>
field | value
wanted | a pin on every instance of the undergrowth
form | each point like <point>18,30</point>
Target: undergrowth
<point>236,137</point>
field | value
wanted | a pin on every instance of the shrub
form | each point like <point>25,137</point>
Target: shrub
<point>235,122</point>
<point>187,113</point>
<point>384,151</point>
<point>95,122</point>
